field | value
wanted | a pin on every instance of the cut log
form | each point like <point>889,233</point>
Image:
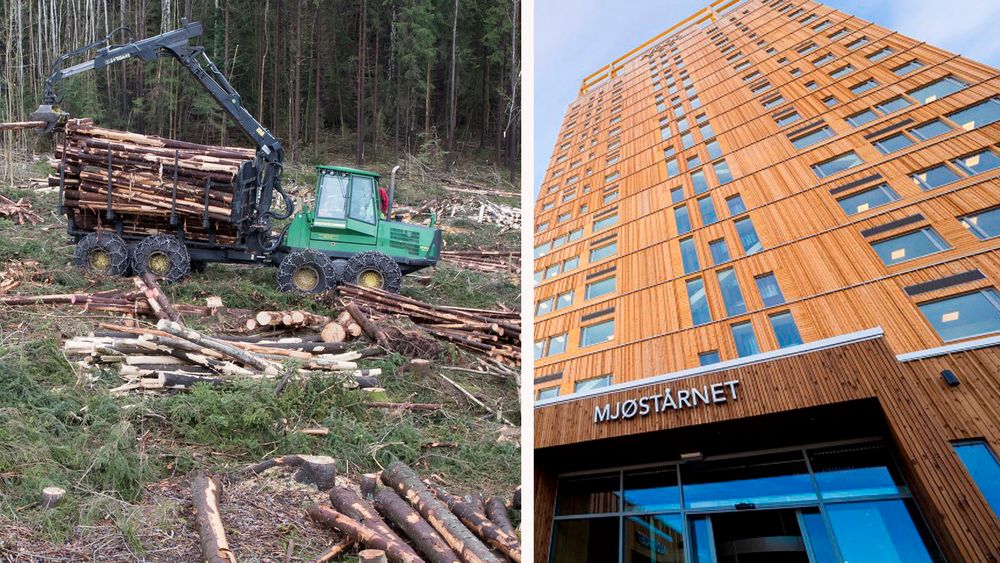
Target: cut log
<point>318,470</point>
<point>479,523</point>
<point>330,518</point>
<point>51,497</point>
<point>348,503</point>
<point>416,528</point>
<point>406,406</point>
<point>242,356</point>
<point>333,332</point>
<point>15,125</point>
<point>405,482</point>
<point>497,512</point>
<point>161,298</point>
<point>205,492</point>
<point>372,556</point>
<point>336,550</point>
<point>376,334</point>
<point>369,485</point>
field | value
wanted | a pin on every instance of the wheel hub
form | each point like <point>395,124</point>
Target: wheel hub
<point>100,261</point>
<point>306,278</point>
<point>371,278</point>
<point>159,263</point>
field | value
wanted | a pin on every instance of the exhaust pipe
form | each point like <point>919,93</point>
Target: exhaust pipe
<point>392,192</point>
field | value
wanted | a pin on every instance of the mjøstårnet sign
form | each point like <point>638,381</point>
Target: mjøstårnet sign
<point>669,400</point>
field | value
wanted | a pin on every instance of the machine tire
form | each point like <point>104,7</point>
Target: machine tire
<point>105,254</point>
<point>307,271</point>
<point>162,255</point>
<point>362,266</point>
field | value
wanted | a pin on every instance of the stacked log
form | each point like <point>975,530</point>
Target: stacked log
<point>156,184</point>
<point>411,524</point>
<point>492,261</point>
<point>493,334</point>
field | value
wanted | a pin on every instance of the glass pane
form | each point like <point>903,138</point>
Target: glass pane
<point>571,264</point>
<point>736,205</point>
<point>689,256</point>
<point>972,314</point>
<point>654,539</point>
<point>785,330</point>
<point>720,252</point>
<point>935,177</point>
<point>856,471</point>
<point>597,334</point>
<point>907,68</point>
<point>333,197</point>
<point>605,222</point>
<point>557,344</point>
<point>544,307</point>
<point>837,164</point>
<point>603,252</point>
<point>868,199</point>
<point>909,246</point>
<point>699,304</point>
<point>600,288</point>
<point>652,490</point>
<point>362,199</point>
<point>817,538</point>
<point>547,393</point>
<point>699,182</point>
<point>702,544</point>
<point>672,168</point>
<point>706,358</point>
<point>977,115</point>
<point>592,383</point>
<point>731,294</point>
<point>683,219</point>
<point>789,118</point>
<point>539,349</point>
<point>862,117</point>
<point>984,225</point>
<point>676,194</point>
<point>722,172</point>
<point>714,151</point>
<point>878,532</point>
<point>758,481</point>
<point>748,236</point>
<point>588,494</point>
<point>745,339</point>
<point>930,129</point>
<point>770,292</point>
<point>707,209</point>
<point>937,89</point>
<point>812,138</point>
<point>590,540</point>
<point>564,300</point>
<point>893,143</point>
<point>863,86</point>
<point>982,465</point>
<point>978,163</point>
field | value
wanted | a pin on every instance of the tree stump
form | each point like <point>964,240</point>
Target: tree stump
<point>52,496</point>
<point>372,556</point>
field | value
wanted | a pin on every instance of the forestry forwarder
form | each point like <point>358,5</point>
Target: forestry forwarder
<point>344,239</point>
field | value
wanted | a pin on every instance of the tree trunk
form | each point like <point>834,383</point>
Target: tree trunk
<point>405,482</point>
<point>362,63</point>
<point>348,503</point>
<point>362,534</point>
<point>429,542</point>
<point>205,492</point>
<point>497,511</point>
<point>451,90</point>
<point>479,523</point>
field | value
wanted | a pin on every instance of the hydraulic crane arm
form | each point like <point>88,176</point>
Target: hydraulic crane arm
<point>176,44</point>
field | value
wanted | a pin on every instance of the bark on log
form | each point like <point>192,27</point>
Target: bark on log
<point>479,523</point>
<point>348,503</point>
<point>405,482</point>
<point>161,298</point>
<point>372,556</point>
<point>497,512</point>
<point>421,533</point>
<point>369,485</point>
<point>205,493</point>
<point>14,125</point>
<point>369,328</point>
<point>336,550</point>
<point>241,355</point>
<point>330,518</point>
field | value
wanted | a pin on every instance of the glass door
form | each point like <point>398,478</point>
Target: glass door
<point>755,536</point>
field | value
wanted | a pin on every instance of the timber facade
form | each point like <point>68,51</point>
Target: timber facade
<point>766,260</point>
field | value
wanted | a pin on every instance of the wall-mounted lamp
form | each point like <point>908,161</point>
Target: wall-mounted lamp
<point>950,378</point>
<point>692,456</point>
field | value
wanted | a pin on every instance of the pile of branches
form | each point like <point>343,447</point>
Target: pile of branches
<point>493,261</point>
<point>151,184</point>
<point>16,272</point>
<point>174,357</point>
<point>492,334</point>
<point>18,211</point>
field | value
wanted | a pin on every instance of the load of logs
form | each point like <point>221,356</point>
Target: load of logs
<point>493,261</point>
<point>150,184</point>
<point>494,334</point>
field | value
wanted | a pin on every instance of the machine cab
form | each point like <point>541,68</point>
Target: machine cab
<point>348,206</point>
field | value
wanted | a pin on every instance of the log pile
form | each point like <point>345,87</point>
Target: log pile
<point>495,334</point>
<point>492,261</point>
<point>18,211</point>
<point>412,521</point>
<point>155,184</point>
<point>172,357</point>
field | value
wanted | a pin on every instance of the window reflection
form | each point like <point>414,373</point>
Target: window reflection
<point>756,481</point>
<point>657,538</point>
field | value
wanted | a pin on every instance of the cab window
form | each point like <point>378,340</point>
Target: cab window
<point>362,199</point>
<point>333,197</point>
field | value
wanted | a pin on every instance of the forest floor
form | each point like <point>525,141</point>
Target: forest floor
<point>125,461</point>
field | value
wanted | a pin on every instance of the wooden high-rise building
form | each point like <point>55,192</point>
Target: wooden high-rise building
<point>766,272</point>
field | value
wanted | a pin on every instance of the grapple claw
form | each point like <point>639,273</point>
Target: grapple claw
<point>51,115</point>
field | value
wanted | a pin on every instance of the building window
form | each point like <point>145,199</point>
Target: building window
<point>541,227</point>
<point>823,60</point>
<point>543,307</point>
<point>552,270</point>
<point>706,131</point>
<point>722,172</point>
<point>978,115</point>
<point>937,89</point>
<point>550,346</point>
<point>603,252</point>
<point>770,292</point>
<point>773,102</point>
<point>785,331</point>
<point>985,224</point>
<point>699,182</point>
<point>830,101</point>
<point>880,54</point>
<point>563,217</point>
<point>672,168</point>
<point>683,219</point>
<point>689,255</point>
<point>964,316</point>
<point>732,297</point>
<point>984,468</point>
<point>787,119</point>
<point>719,251</point>
<point>735,204</point>
<point>930,129</point>
<point>564,300</point>
<point>698,301</point>
<point>893,143</point>
<point>610,196</point>
<point>812,137</point>
<point>600,288</point>
<point>842,71</point>
<point>707,209</point>
<point>839,33</point>
<point>592,383</point>
<point>940,175</point>
<point>604,222</point>
<point>907,68</point>
<point>575,234</point>
<point>570,264</point>
<point>676,195</point>
<point>868,199</point>
<point>745,339</point>
<point>893,104</point>
<point>977,163</point>
<point>693,162</point>
<point>748,236</point>
<point>909,246</point>
<point>597,333</point>
<point>714,151</point>
<point>859,42</point>
<point>864,86</point>
<point>837,164</point>
<point>861,117</point>
<point>811,85</point>
<point>547,393</point>
<point>708,358</point>
<point>687,140</point>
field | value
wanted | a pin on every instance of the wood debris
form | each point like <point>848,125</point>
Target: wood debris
<point>18,211</point>
<point>492,261</point>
